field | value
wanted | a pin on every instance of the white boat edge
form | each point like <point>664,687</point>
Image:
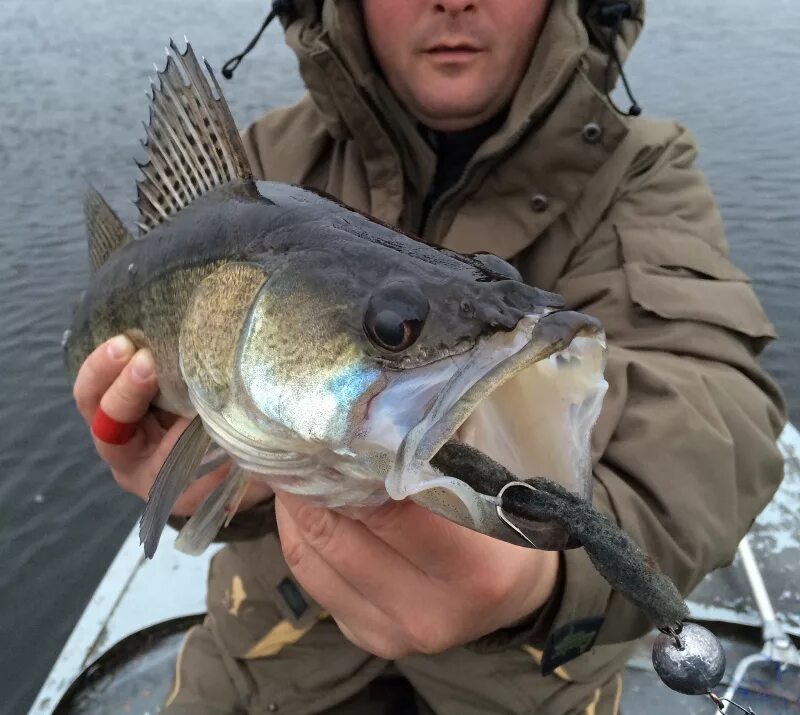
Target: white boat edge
<point>123,603</point>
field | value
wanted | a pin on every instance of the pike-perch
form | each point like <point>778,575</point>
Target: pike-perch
<point>325,352</point>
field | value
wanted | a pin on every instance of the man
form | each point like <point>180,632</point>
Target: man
<point>486,125</point>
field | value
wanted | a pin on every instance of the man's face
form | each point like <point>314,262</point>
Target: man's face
<point>453,63</point>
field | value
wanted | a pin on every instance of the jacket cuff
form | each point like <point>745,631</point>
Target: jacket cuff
<point>567,625</point>
<point>580,615</point>
<point>255,522</point>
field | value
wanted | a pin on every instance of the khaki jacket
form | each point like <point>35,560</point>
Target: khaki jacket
<point>608,211</point>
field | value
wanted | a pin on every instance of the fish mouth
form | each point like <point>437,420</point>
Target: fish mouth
<point>559,355</point>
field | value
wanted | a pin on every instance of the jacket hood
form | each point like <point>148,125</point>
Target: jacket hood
<point>573,39</point>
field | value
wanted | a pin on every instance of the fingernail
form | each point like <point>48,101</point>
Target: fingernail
<point>119,347</point>
<point>142,366</point>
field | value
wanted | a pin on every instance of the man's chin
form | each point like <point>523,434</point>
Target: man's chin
<point>450,111</point>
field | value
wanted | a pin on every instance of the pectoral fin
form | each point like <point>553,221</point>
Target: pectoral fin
<point>176,474</point>
<point>196,535</point>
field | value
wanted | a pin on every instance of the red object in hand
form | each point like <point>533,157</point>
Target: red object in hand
<point>111,431</point>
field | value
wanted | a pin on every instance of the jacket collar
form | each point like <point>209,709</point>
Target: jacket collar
<point>562,83</point>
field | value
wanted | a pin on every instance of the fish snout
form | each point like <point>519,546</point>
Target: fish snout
<point>504,303</point>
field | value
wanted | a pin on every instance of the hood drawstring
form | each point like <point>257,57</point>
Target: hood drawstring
<point>279,7</point>
<point>612,16</point>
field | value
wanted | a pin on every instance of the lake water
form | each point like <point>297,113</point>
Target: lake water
<point>71,99</point>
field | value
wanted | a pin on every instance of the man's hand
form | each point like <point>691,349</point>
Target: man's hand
<point>123,381</point>
<point>399,579</point>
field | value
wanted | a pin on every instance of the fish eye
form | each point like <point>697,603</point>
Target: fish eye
<point>395,315</point>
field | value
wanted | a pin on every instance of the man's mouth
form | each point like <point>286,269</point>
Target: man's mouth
<point>453,51</point>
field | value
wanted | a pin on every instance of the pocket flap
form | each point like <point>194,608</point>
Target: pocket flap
<point>729,303</point>
<point>666,248</point>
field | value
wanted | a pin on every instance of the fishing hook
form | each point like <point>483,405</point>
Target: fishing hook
<point>720,703</point>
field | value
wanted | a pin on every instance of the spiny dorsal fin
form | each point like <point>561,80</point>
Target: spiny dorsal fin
<point>106,233</point>
<point>192,141</point>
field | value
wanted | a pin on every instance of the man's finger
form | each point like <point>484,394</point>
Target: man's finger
<point>129,396</point>
<point>376,631</point>
<point>128,401</point>
<point>164,418</point>
<point>429,541</point>
<point>98,373</point>
<point>136,464</point>
<point>350,549</point>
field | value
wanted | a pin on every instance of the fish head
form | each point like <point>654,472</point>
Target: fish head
<point>361,361</point>
<point>503,366</point>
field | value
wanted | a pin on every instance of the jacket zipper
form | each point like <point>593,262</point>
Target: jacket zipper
<point>429,219</point>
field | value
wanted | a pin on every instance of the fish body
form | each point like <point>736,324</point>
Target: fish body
<point>327,352</point>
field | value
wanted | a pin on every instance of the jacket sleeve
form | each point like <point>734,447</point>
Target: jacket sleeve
<point>685,453</point>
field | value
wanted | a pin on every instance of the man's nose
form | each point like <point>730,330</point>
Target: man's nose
<point>455,7</point>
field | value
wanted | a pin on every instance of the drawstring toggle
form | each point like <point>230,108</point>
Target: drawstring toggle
<point>279,8</point>
<point>611,16</point>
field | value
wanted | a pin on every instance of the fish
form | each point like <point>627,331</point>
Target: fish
<point>317,348</point>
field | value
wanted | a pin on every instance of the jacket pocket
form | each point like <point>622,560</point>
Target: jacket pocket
<point>680,277</point>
